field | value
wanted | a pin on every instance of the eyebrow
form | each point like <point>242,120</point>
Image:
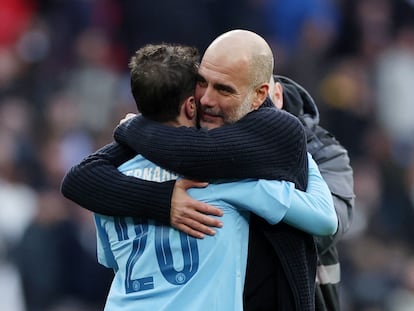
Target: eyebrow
<point>224,87</point>
<point>218,86</point>
<point>200,78</point>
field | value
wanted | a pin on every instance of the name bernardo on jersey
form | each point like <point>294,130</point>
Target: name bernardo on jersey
<point>157,174</point>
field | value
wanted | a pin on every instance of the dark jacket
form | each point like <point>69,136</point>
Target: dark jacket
<point>334,164</point>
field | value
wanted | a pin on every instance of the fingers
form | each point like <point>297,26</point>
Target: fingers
<point>127,117</point>
<point>200,220</point>
<point>208,209</point>
<point>195,227</point>
<point>191,232</point>
<point>130,115</point>
<point>190,218</point>
<point>187,183</point>
<point>197,214</point>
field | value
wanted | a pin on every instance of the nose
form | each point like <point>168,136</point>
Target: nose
<point>206,98</point>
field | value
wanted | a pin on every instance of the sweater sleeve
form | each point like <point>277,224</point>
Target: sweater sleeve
<point>267,143</point>
<point>97,185</point>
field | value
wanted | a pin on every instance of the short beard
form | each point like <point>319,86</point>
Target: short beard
<point>240,111</point>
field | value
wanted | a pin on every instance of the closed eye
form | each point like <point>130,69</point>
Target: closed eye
<point>201,82</point>
<point>224,89</point>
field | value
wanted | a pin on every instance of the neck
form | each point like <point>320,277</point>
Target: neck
<point>182,120</point>
<point>173,123</point>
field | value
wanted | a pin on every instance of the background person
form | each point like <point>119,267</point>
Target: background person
<point>334,164</point>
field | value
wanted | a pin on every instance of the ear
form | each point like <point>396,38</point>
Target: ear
<point>277,96</point>
<point>260,94</point>
<point>190,108</point>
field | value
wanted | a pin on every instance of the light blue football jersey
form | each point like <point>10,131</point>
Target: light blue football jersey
<point>160,268</point>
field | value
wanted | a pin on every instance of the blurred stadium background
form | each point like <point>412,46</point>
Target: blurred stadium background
<point>64,86</point>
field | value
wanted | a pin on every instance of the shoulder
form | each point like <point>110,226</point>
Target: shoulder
<point>272,119</point>
<point>333,162</point>
<point>324,146</point>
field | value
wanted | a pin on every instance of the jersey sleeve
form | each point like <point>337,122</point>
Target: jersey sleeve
<point>97,185</point>
<point>313,211</point>
<point>267,143</point>
<point>269,199</point>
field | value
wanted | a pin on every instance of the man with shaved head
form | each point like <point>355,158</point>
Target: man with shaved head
<point>239,62</point>
<point>246,139</point>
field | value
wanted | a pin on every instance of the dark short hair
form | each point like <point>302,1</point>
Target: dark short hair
<point>162,76</point>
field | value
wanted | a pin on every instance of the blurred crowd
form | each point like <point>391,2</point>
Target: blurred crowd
<point>64,86</point>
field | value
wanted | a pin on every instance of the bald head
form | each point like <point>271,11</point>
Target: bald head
<point>243,49</point>
<point>234,77</point>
